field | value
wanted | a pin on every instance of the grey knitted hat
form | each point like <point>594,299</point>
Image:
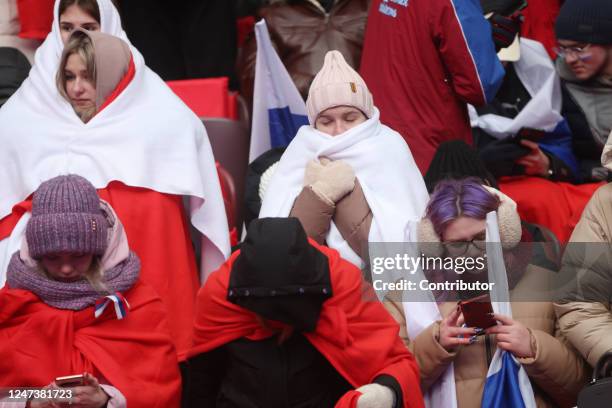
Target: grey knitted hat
<point>66,217</point>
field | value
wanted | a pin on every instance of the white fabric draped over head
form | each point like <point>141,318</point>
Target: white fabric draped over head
<point>147,137</point>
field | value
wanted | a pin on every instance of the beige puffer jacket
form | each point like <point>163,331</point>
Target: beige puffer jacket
<point>588,324</point>
<point>352,215</point>
<point>557,372</point>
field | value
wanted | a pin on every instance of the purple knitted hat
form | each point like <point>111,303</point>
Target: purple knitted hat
<point>66,217</point>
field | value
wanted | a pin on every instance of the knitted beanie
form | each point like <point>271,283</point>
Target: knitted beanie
<point>337,84</point>
<point>588,21</point>
<point>66,217</point>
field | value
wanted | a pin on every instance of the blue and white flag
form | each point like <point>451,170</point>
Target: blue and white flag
<point>278,108</point>
<point>507,384</point>
<point>538,75</point>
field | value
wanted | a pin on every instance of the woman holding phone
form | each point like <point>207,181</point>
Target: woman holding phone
<point>74,304</point>
<point>456,219</point>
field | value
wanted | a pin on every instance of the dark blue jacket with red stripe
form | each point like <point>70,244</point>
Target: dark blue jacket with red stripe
<point>424,61</point>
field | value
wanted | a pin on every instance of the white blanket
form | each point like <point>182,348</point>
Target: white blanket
<point>146,138</point>
<point>537,73</point>
<point>381,159</point>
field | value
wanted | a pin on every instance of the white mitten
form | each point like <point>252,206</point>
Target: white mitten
<point>335,180</point>
<point>312,172</point>
<point>375,396</point>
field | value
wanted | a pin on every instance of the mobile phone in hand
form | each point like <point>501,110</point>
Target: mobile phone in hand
<point>69,381</point>
<point>478,311</point>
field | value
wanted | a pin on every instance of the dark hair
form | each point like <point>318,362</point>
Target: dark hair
<point>454,198</point>
<point>88,6</point>
<point>457,160</point>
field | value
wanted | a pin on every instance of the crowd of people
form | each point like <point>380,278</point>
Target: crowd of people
<point>419,111</point>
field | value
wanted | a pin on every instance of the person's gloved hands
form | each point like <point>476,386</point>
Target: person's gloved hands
<point>312,172</point>
<point>504,29</point>
<point>375,396</point>
<point>330,180</point>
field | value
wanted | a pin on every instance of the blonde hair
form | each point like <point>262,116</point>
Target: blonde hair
<point>95,276</point>
<point>81,45</point>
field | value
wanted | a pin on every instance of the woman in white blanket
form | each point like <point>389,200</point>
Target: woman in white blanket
<point>347,169</point>
<point>112,120</point>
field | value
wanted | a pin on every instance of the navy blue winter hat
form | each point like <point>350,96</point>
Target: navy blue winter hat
<point>588,21</point>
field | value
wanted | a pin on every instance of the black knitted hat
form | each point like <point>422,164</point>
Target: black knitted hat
<point>588,21</point>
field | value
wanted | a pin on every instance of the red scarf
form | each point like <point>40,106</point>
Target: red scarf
<point>135,355</point>
<point>357,336</point>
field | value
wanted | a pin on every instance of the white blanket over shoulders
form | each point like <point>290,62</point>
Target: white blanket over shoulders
<point>147,137</point>
<point>383,163</point>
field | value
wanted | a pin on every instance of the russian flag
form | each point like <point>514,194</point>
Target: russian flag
<point>507,384</point>
<point>278,108</point>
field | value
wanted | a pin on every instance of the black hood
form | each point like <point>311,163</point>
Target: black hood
<point>279,275</point>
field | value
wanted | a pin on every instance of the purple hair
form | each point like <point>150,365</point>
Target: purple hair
<point>454,198</point>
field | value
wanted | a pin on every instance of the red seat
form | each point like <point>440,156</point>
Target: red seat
<point>35,18</point>
<point>207,97</point>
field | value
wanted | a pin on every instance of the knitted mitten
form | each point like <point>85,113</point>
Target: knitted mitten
<point>375,396</point>
<point>334,181</point>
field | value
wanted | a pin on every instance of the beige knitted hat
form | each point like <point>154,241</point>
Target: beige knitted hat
<point>337,84</point>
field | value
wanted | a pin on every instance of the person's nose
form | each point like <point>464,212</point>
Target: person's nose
<point>66,268</point>
<point>338,128</point>
<point>77,86</point>
<point>570,58</point>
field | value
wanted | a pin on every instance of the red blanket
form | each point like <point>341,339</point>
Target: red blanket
<point>357,336</point>
<point>158,233</point>
<point>554,205</point>
<point>35,18</point>
<point>39,343</point>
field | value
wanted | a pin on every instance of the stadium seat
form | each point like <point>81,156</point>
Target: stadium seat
<point>207,97</point>
<point>230,144</point>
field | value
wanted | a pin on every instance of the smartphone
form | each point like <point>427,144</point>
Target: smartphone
<point>477,312</point>
<point>70,381</point>
<point>535,135</point>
